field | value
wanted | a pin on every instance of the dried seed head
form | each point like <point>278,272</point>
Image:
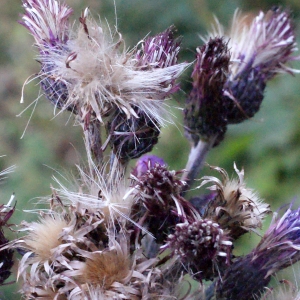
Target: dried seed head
<point>132,137</point>
<point>51,246</point>
<point>97,193</point>
<point>235,207</point>
<point>104,268</point>
<point>200,245</point>
<point>42,238</point>
<point>204,114</point>
<point>260,49</point>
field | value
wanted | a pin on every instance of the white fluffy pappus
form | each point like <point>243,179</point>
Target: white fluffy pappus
<point>100,74</point>
<point>97,193</point>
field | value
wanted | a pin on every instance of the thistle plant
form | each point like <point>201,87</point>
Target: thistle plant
<point>119,232</point>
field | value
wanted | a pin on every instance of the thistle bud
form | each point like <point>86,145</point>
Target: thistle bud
<point>132,137</point>
<point>201,245</point>
<point>204,114</point>
<point>234,206</point>
<point>145,163</point>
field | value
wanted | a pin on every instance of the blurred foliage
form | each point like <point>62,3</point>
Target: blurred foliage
<point>268,146</point>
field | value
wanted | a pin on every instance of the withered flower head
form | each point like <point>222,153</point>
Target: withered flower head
<point>200,245</point>
<point>50,246</point>
<point>105,268</point>
<point>235,207</point>
<point>204,114</point>
<point>91,72</point>
<point>158,203</point>
<point>42,245</point>
<point>259,50</point>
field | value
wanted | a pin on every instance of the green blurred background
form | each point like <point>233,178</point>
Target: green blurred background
<point>267,146</point>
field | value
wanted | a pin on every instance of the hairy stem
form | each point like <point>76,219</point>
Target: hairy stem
<point>195,161</point>
<point>93,142</point>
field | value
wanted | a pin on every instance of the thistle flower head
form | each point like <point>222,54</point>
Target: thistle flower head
<point>259,50</point>
<point>235,207</point>
<point>266,43</point>
<point>50,246</point>
<point>158,182</point>
<point>89,261</point>
<point>158,189</point>
<point>204,114</point>
<point>105,268</point>
<point>159,51</point>
<point>280,245</point>
<point>96,74</point>
<point>47,20</point>
<point>278,249</point>
<point>199,245</point>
